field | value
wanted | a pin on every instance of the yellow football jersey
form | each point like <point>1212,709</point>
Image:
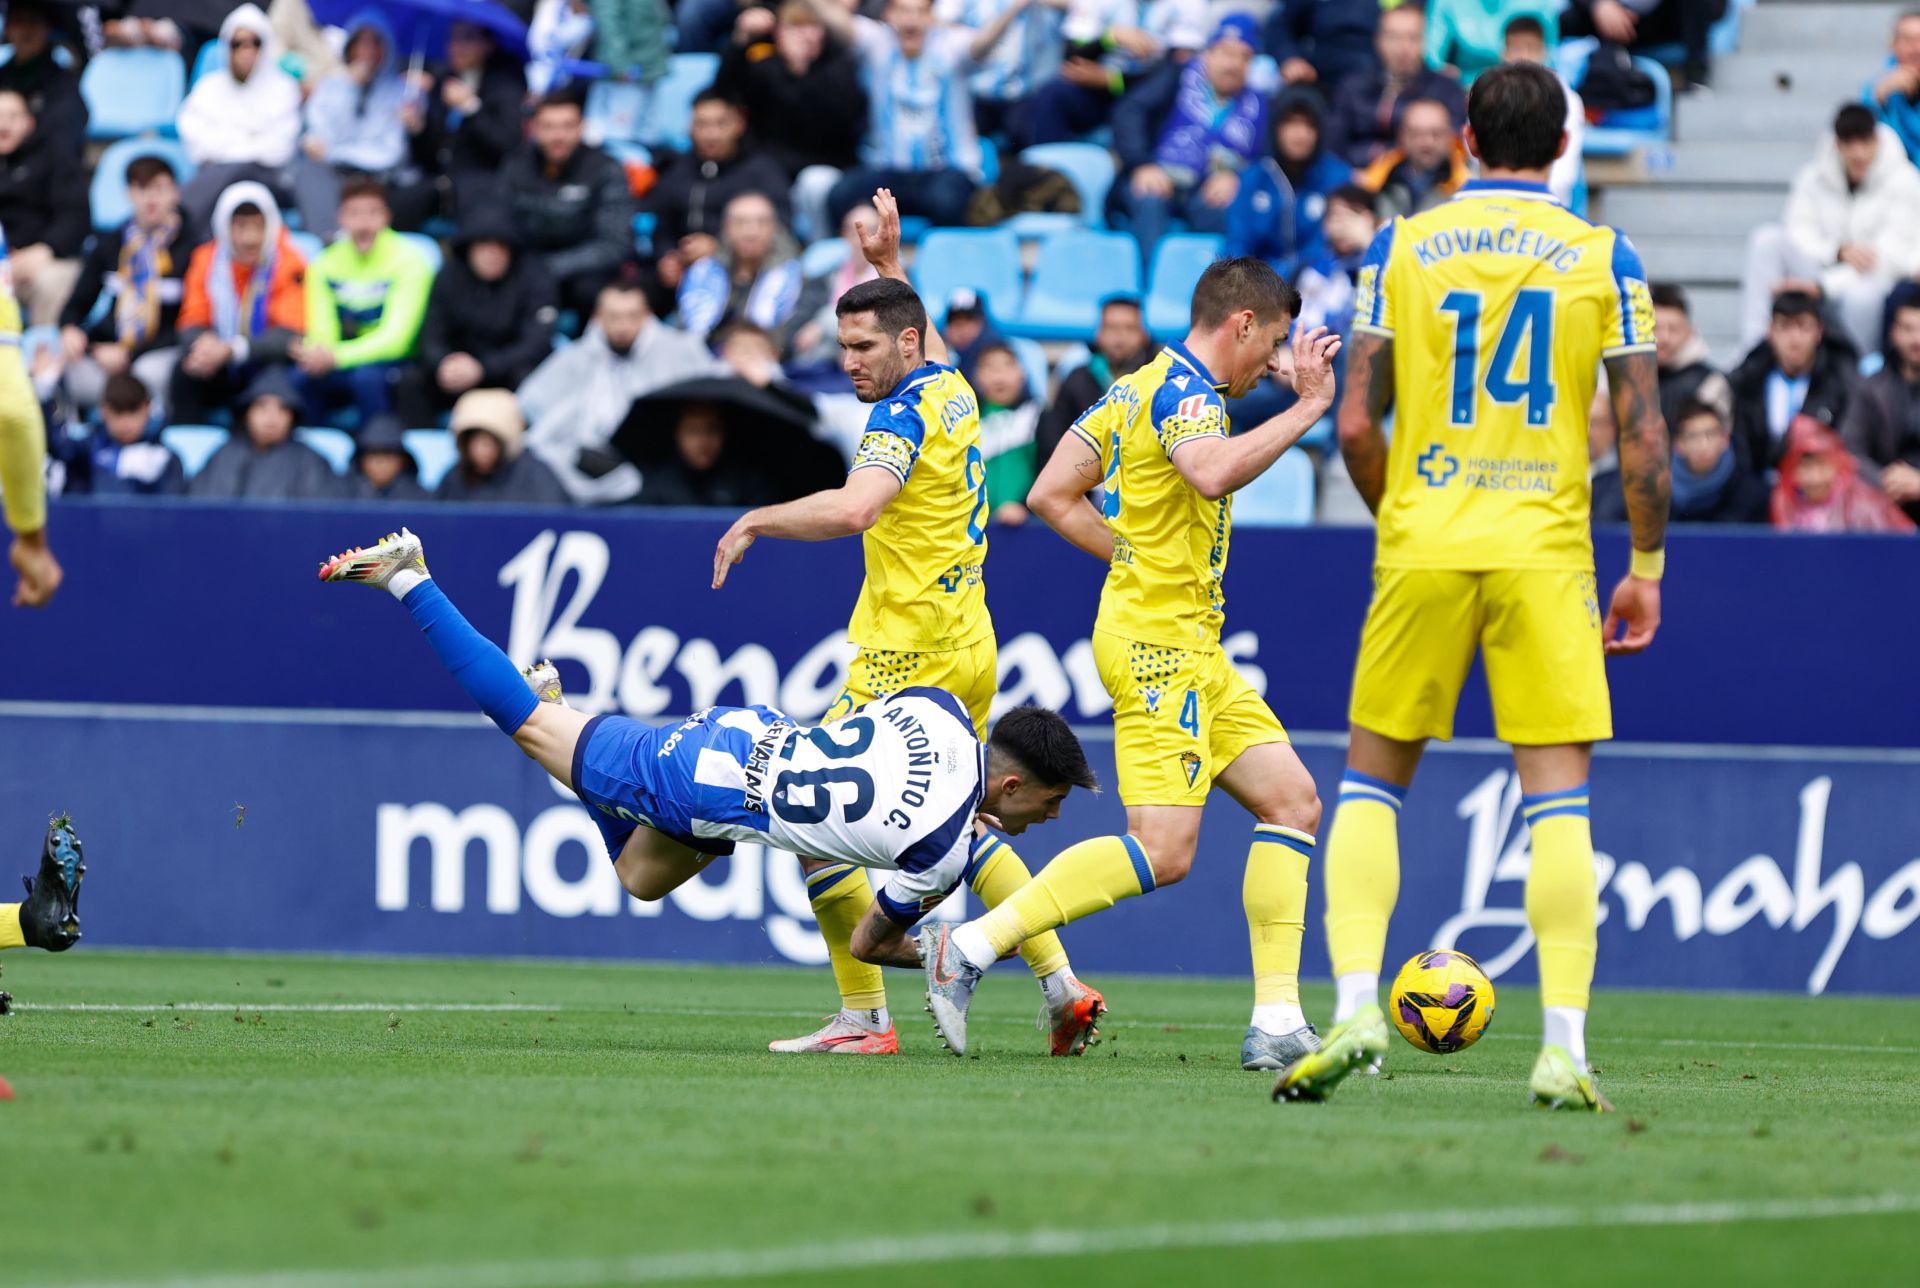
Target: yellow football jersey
<point>924,591</point>
<point>1169,542</point>
<point>1501,305</point>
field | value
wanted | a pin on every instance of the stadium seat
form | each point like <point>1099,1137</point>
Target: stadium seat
<point>914,228</point>
<point>1072,358</point>
<point>1033,361</point>
<point>1619,133</point>
<point>1178,261</point>
<point>824,257</point>
<point>616,112</point>
<point>308,244</point>
<point>108,192</point>
<point>1089,166</point>
<point>193,444</point>
<point>427,246</point>
<point>1076,270</point>
<point>334,444</point>
<point>1280,498</point>
<point>986,259</point>
<point>210,57</point>
<point>670,113</point>
<point>132,91</point>
<point>434,451</point>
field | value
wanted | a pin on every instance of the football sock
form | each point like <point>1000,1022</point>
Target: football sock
<point>877,1020</point>
<point>1054,986</point>
<point>841,895</point>
<point>1363,873</point>
<point>1082,879</point>
<point>10,936</point>
<point>1274,892</point>
<point>1563,899</point>
<point>1354,990</point>
<point>474,661</point>
<point>995,871</point>
<point>1566,1026</point>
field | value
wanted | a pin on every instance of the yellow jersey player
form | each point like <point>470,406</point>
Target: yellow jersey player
<point>23,454</point>
<point>917,493</point>
<point>1184,720</point>
<point>1483,323</point>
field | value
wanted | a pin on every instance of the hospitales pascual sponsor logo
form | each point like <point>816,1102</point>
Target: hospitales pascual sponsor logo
<point>1675,900</point>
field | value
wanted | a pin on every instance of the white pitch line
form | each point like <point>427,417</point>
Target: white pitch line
<point>319,1008</point>
<point>719,1264</point>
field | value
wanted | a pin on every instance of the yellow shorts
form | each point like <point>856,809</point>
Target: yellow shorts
<point>1180,717</point>
<point>1538,631</point>
<point>971,674</point>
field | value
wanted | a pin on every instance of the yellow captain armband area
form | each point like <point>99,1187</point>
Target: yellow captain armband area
<point>1648,565</point>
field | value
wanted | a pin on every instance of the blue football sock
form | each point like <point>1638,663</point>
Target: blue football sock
<point>476,662</point>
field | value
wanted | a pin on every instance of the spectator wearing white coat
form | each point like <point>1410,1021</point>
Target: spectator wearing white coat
<point>241,120</point>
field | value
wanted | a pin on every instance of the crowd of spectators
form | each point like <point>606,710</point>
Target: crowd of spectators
<point>382,238</point>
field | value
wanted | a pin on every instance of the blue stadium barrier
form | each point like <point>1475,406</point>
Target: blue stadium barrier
<point>194,444</point>
<point>433,451</point>
<point>1074,272</point>
<point>428,247</point>
<point>107,194</point>
<point>985,259</point>
<point>132,91</point>
<point>670,110</point>
<point>1755,833</point>
<point>1280,498</point>
<point>1178,261</point>
<point>334,444</point>
<point>1088,165</point>
<point>308,244</point>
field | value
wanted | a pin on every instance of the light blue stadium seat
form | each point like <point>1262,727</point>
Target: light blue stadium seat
<point>986,259</point>
<point>210,57</point>
<point>1178,261</point>
<point>108,192</point>
<point>670,112</point>
<point>334,444</point>
<point>616,111</point>
<point>824,257</point>
<point>434,451</point>
<point>308,244</point>
<point>193,444</point>
<point>427,246</point>
<point>1071,359</point>
<point>1280,498</point>
<point>1088,165</point>
<point>1033,360</point>
<point>1074,271</point>
<point>132,91</point>
<point>1619,133</point>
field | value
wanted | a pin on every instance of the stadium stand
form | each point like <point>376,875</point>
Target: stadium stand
<point>132,91</point>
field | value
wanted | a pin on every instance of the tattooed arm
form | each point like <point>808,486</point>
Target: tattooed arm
<point>1059,496</point>
<point>1645,459</point>
<point>1363,414</point>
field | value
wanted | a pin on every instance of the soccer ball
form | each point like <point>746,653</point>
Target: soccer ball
<point>1442,1001</point>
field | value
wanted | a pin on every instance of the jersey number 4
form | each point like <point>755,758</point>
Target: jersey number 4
<point>1529,323</point>
<point>821,782</point>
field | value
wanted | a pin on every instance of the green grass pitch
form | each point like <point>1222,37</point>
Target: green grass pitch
<point>327,1123</point>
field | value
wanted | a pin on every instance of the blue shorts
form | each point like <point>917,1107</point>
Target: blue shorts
<point>629,776</point>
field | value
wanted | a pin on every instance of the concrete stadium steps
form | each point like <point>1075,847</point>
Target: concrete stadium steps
<point>1721,161</point>
<point>1839,76</point>
<point>1778,118</point>
<point>1812,26</point>
<point>1690,258</point>
<point>1678,206</point>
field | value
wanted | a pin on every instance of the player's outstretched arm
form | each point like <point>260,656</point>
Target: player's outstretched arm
<point>1363,414</point>
<point>851,508</point>
<point>881,246</point>
<point>1645,463</point>
<point>1059,496</point>
<point>1215,467</point>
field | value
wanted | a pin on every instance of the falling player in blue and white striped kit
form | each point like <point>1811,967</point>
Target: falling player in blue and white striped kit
<point>898,784</point>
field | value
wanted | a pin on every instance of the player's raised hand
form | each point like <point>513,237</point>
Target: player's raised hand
<point>1635,606</point>
<point>881,244</point>
<point>731,550</point>
<point>1313,354</point>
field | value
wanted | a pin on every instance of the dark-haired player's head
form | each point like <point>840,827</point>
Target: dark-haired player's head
<point>153,191</point>
<point>1516,117</point>
<point>1672,322</point>
<point>558,123</point>
<point>883,326</point>
<point>1033,761</point>
<point>1245,310</point>
<point>125,408</point>
<point>1794,332</point>
<point>1855,133</point>
<point>717,127</point>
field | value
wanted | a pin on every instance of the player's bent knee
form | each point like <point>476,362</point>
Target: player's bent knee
<point>1297,809</point>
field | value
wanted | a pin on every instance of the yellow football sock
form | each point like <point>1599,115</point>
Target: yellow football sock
<point>1362,872</point>
<point>841,896</point>
<point>995,873</point>
<point>10,936</point>
<point>1563,898</point>
<point>1082,879</point>
<point>1274,892</point>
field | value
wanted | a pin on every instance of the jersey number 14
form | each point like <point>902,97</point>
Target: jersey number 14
<point>1529,323</point>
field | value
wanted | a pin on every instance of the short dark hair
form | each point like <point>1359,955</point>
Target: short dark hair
<point>1698,407</point>
<point>247,208</point>
<point>1796,304</point>
<point>1902,304</point>
<point>1243,282</point>
<point>124,393</point>
<point>364,185</point>
<point>1853,123</point>
<point>713,95</point>
<point>1120,299</point>
<point>565,96</point>
<point>1518,112</point>
<point>894,305</point>
<point>1042,743</point>
<point>742,327</point>
<point>142,171</point>
<point>1525,24</point>
<point>1668,295</point>
<point>1352,194</point>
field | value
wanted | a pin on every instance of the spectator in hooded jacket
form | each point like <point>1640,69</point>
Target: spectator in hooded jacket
<point>1321,42</point>
<point>124,455</point>
<point>1820,488</point>
<point>44,211</point>
<point>1364,120</point>
<point>691,195</point>
<point>1214,127</point>
<point>366,297</point>
<point>1282,200</point>
<point>1427,167</point>
<point>1850,226</point>
<point>1686,375</point>
<point>354,124</point>
<point>754,276</point>
<point>494,465</point>
<point>241,120</point>
<point>1711,481</point>
<point>1797,369</point>
<point>1894,95</point>
<point>489,320</point>
<point>464,120</point>
<point>1882,424</point>
<point>383,468</point>
<point>1470,34</point>
<point>571,203</point>
<point>243,305</point>
<point>52,91</point>
<point>263,461</point>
